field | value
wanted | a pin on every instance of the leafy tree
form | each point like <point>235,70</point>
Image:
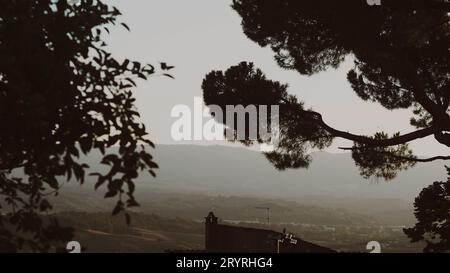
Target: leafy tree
<point>401,62</point>
<point>62,94</point>
<point>432,211</point>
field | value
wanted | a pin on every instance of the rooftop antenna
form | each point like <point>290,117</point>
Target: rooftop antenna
<point>268,213</point>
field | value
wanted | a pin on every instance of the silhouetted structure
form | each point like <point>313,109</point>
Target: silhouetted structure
<point>226,238</point>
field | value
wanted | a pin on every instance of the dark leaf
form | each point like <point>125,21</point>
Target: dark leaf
<point>168,75</point>
<point>125,26</point>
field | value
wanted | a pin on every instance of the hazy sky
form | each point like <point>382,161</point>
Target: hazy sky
<point>198,36</point>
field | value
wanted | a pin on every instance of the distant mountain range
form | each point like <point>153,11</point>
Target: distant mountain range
<point>189,174</point>
<point>239,171</point>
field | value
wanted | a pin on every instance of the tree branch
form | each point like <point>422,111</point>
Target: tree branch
<point>317,117</point>
<point>412,159</point>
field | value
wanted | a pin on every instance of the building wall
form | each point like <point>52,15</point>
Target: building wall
<point>228,239</point>
<point>223,238</point>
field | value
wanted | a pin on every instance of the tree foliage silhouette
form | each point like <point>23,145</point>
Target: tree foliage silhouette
<point>62,94</point>
<point>402,60</point>
<point>432,211</point>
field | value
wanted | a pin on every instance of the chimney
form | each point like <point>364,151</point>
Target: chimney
<point>210,223</point>
<point>211,218</point>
